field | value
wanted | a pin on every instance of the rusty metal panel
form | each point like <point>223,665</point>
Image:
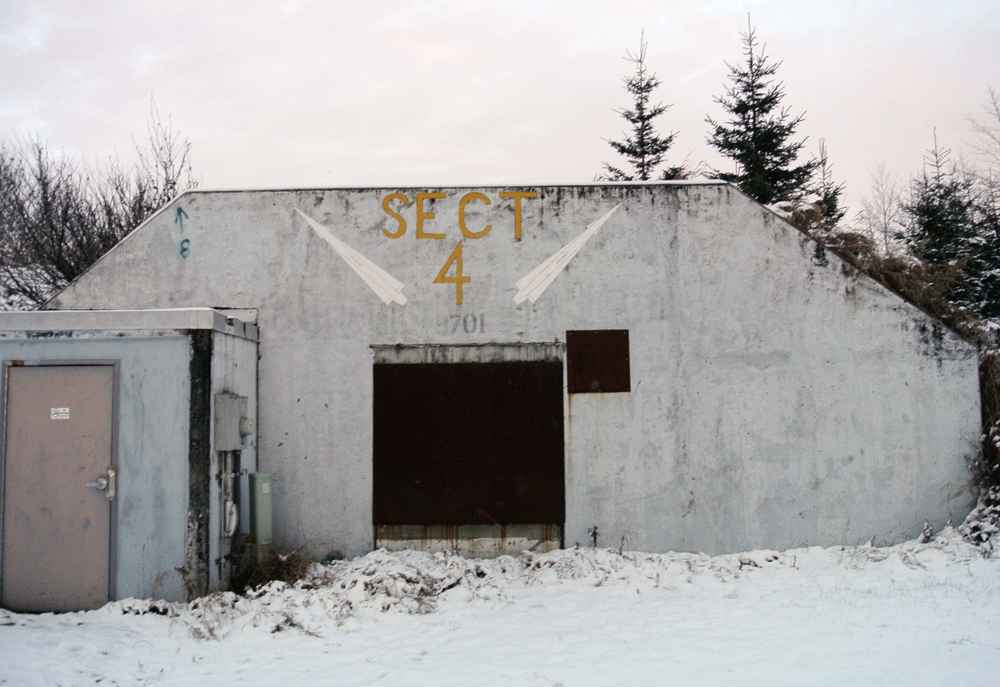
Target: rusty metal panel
<point>468,444</point>
<point>597,361</point>
<point>56,521</point>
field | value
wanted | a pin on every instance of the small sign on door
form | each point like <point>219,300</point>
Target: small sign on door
<point>59,414</point>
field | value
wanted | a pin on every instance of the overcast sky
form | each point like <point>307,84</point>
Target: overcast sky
<point>422,93</point>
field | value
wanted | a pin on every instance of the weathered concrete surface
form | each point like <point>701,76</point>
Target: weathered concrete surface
<point>471,541</point>
<point>778,397</point>
<point>153,351</point>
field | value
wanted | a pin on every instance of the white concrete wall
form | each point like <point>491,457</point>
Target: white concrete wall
<point>778,397</point>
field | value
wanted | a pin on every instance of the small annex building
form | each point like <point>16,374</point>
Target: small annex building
<point>492,369</point>
<point>123,454</point>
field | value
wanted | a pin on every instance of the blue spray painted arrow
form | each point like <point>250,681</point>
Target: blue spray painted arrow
<point>179,218</point>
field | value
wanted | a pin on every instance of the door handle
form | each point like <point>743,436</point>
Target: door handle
<point>105,483</point>
<point>101,483</point>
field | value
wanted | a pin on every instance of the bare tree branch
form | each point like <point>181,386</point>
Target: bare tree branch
<point>58,215</point>
<point>987,143</point>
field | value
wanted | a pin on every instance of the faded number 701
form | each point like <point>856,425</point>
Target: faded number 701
<point>470,323</point>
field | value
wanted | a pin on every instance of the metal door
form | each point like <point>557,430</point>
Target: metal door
<point>468,444</point>
<point>59,485</point>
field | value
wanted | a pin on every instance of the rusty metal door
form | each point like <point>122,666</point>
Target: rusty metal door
<point>58,487</point>
<point>468,444</point>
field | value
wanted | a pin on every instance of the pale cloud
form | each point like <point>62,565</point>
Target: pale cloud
<point>433,92</point>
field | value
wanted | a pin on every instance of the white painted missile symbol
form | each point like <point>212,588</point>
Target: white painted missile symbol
<point>385,286</point>
<point>533,284</point>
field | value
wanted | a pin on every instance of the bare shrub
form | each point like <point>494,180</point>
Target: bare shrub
<point>273,566</point>
<point>983,523</point>
<point>925,285</point>
<point>986,471</point>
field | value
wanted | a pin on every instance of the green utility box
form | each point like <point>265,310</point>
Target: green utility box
<point>261,530</point>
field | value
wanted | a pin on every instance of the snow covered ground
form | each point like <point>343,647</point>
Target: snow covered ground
<point>912,614</point>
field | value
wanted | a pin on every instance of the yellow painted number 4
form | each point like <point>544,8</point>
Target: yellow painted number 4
<point>459,278</point>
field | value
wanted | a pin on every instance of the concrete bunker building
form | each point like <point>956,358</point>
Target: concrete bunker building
<point>490,369</point>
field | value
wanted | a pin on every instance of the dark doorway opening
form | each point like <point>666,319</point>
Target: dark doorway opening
<point>468,443</point>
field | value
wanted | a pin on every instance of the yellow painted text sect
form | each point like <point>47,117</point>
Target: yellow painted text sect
<point>424,216</point>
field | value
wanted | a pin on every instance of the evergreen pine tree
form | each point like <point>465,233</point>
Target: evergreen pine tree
<point>987,266</point>
<point>828,191</point>
<point>757,135</point>
<point>987,200</point>
<point>644,148</point>
<point>941,211</point>
<point>943,228</point>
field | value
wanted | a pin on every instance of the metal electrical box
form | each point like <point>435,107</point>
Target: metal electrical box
<point>232,423</point>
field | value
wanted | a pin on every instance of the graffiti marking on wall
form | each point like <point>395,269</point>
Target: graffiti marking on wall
<point>184,246</point>
<point>179,218</point>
